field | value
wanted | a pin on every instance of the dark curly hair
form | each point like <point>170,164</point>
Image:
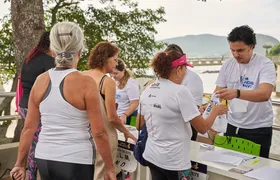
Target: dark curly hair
<point>42,46</point>
<point>174,47</point>
<point>101,53</point>
<point>243,33</point>
<point>162,63</point>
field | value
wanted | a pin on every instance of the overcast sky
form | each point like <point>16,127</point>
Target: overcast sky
<point>186,17</point>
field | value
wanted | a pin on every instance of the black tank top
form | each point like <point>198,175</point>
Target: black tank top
<point>101,85</point>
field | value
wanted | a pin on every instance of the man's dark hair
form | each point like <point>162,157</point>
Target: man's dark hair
<point>174,47</point>
<point>244,34</point>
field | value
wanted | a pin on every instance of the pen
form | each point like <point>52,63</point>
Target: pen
<point>250,158</point>
<point>256,161</point>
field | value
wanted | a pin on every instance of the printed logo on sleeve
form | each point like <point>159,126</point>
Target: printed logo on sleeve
<point>151,95</point>
<point>155,86</point>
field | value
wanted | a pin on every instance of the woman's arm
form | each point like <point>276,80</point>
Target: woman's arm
<point>142,122</point>
<point>132,91</point>
<point>30,126</point>
<point>110,93</point>
<point>132,107</point>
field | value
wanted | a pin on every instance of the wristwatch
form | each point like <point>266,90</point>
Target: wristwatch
<point>238,93</point>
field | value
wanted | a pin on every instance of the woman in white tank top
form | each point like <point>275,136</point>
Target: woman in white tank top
<point>68,103</point>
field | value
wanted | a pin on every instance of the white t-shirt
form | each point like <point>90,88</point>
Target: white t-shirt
<point>195,85</point>
<point>129,93</point>
<point>248,77</point>
<point>167,117</point>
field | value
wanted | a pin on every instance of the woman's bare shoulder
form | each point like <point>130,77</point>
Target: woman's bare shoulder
<point>42,79</point>
<point>108,81</point>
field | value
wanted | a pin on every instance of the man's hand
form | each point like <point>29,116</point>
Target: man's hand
<point>227,93</point>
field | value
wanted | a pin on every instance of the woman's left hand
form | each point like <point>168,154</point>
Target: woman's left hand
<point>129,135</point>
<point>18,173</point>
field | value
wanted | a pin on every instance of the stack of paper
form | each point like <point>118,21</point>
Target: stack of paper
<point>225,157</point>
<point>264,173</point>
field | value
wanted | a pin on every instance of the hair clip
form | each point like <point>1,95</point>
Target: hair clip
<point>66,55</point>
<point>65,34</point>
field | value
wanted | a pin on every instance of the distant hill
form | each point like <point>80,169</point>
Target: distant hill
<point>208,45</point>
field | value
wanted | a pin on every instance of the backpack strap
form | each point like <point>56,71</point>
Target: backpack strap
<point>140,117</point>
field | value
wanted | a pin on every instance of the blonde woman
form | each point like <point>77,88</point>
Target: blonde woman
<point>127,93</point>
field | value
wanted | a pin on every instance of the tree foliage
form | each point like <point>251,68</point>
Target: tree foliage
<point>132,30</point>
<point>275,51</point>
<point>119,21</point>
<point>7,65</point>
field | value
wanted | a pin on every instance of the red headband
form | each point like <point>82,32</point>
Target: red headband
<point>181,61</point>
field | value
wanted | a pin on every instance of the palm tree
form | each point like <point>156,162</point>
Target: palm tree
<point>267,47</point>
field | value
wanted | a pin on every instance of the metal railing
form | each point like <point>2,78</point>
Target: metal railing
<point>275,59</point>
<point>7,94</point>
<point>16,117</point>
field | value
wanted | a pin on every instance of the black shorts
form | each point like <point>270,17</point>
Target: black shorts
<point>163,174</point>
<point>260,136</point>
<point>54,170</point>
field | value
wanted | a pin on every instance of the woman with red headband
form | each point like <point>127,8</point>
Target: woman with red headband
<point>169,110</point>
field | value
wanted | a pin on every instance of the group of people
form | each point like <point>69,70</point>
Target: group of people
<point>169,104</point>
<point>71,117</point>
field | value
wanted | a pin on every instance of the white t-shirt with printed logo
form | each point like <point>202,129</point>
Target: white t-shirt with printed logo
<point>195,85</point>
<point>248,77</point>
<point>129,93</point>
<point>167,108</point>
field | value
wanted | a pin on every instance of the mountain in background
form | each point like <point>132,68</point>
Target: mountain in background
<point>208,45</point>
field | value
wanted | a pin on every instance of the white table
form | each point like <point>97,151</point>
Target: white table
<point>215,171</point>
<point>218,171</point>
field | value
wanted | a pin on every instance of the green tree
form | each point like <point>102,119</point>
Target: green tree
<point>132,30</point>
<point>275,51</point>
<point>20,31</point>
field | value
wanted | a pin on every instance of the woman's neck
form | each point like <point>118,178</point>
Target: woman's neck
<point>48,52</point>
<point>174,79</point>
<point>63,67</point>
<point>100,70</point>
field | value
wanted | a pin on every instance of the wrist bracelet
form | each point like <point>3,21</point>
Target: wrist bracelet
<point>238,93</point>
<point>125,114</point>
